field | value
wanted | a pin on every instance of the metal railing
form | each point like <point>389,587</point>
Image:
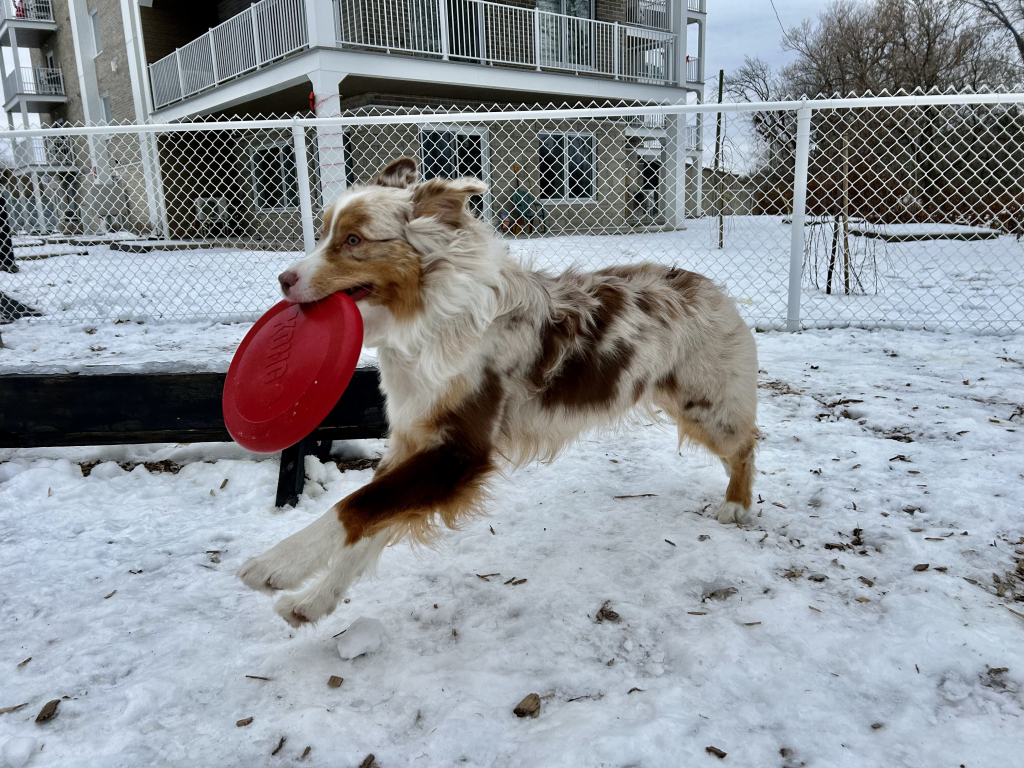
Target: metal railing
<point>265,32</point>
<point>475,31</point>
<point>649,13</point>
<point>42,151</point>
<point>699,6</point>
<point>495,34</point>
<point>27,10</point>
<point>35,81</point>
<point>693,70</point>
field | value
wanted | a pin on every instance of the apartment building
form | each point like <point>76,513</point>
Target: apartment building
<point>102,61</point>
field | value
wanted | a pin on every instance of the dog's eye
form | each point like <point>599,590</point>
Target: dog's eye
<point>354,240</point>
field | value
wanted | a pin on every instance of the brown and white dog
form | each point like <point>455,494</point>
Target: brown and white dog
<point>485,363</point>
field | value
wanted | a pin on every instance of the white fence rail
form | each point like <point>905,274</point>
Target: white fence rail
<point>261,34</point>
<point>900,212</point>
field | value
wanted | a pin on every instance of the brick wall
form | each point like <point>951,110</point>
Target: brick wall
<point>112,75</point>
<point>62,44</point>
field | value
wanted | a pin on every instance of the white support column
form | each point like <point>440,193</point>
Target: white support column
<point>92,109</point>
<point>796,245</point>
<point>148,154</point>
<point>330,140</point>
<point>16,58</point>
<point>675,171</point>
<point>38,194</point>
<point>302,177</point>
<point>3,89</point>
<point>677,22</point>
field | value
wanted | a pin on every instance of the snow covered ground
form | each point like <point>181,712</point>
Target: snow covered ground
<point>939,284</point>
<point>807,638</point>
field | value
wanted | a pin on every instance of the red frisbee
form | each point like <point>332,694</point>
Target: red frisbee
<point>290,371</point>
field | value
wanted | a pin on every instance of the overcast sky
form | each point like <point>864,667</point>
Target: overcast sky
<point>738,28</point>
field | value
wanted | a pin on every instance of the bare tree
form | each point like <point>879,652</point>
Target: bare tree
<point>755,80</point>
<point>1008,14</point>
<point>896,45</point>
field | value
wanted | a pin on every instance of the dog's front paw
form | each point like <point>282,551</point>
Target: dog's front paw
<point>269,573</point>
<point>732,512</point>
<point>306,607</point>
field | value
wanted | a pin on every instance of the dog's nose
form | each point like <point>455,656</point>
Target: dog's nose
<point>288,280</point>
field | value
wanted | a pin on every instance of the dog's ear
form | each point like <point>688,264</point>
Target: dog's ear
<point>444,199</point>
<point>400,173</point>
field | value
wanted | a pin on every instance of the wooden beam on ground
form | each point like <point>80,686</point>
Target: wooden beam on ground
<point>132,408</point>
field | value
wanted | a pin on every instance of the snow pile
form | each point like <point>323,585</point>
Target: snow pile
<point>18,751</point>
<point>363,636</point>
<point>600,582</point>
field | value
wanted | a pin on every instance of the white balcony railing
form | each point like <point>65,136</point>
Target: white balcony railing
<point>657,122</point>
<point>43,150</point>
<point>693,70</point>
<point>649,13</point>
<point>496,34</point>
<point>34,81</point>
<point>691,138</point>
<point>475,31</point>
<point>264,32</point>
<point>699,6</point>
<point>27,10</point>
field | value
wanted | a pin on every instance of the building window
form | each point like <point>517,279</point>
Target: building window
<point>275,183</point>
<point>453,152</point>
<point>49,60</point>
<point>567,162</point>
<point>97,39</point>
<point>108,115</point>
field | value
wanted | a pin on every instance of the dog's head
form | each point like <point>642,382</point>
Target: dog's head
<point>375,244</point>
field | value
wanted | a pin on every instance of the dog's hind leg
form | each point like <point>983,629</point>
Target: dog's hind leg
<point>732,440</point>
<point>740,494</point>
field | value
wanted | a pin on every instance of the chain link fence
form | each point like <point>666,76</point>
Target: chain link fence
<point>901,212</point>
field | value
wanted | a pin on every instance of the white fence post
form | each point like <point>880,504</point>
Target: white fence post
<point>442,23</point>
<point>302,176</point>
<point>615,56</point>
<point>796,244</point>
<point>181,77</point>
<point>213,57</point>
<point>255,36</point>
<point>536,39</point>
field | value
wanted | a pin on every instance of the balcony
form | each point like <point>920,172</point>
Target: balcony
<point>43,153</point>
<point>694,73</point>
<point>39,88</point>
<point>32,21</point>
<point>468,31</point>
<point>260,35</point>
<point>495,34</point>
